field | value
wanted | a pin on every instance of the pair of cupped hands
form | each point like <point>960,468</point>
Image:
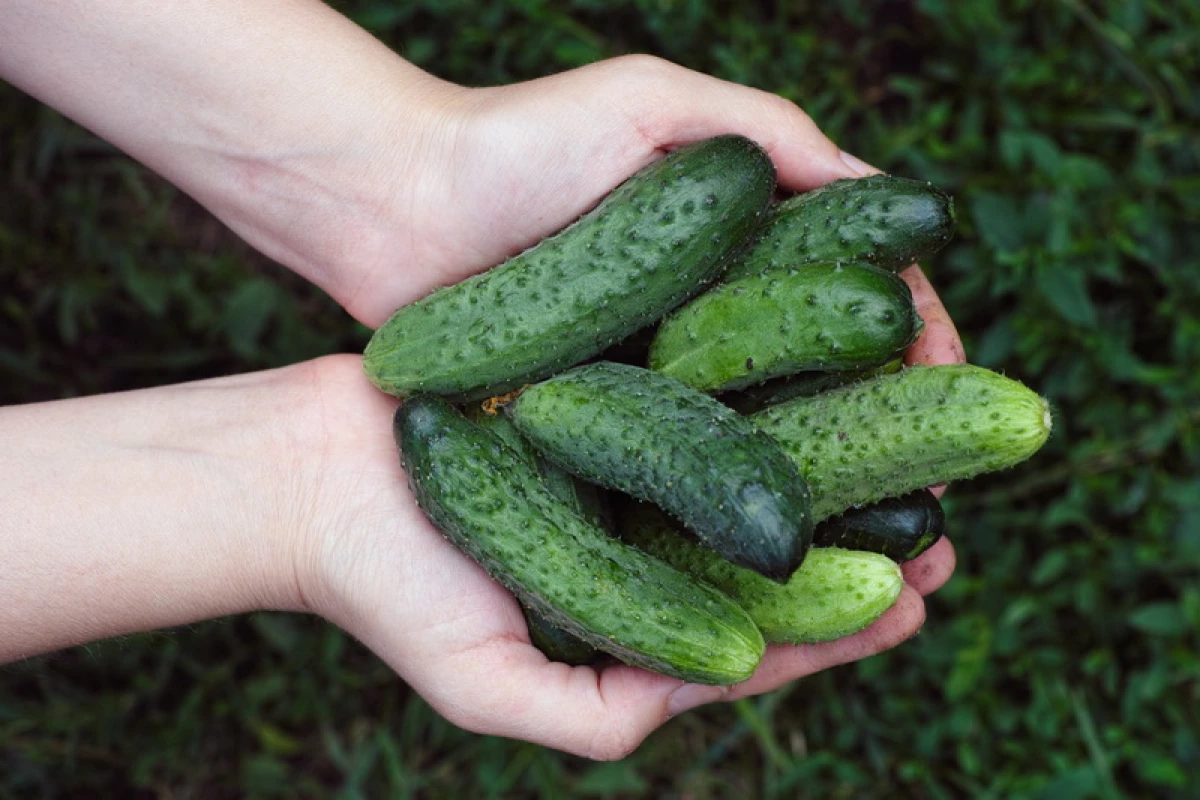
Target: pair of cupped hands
<point>283,489</point>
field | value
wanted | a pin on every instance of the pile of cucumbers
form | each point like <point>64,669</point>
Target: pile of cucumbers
<point>696,436</point>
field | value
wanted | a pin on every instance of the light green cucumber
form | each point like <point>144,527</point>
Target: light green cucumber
<point>820,317</point>
<point>922,426</point>
<point>492,504</point>
<point>880,219</point>
<point>835,592</point>
<point>652,243</point>
<point>657,439</point>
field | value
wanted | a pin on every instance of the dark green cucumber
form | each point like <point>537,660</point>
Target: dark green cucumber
<point>820,317</point>
<point>880,219</point>
<point>900,528</point>
<point>492,504</point>
<point>555,643</point>
<point>583,498</point>
<point>804,384</point>
<point>920,427</point>
<point>835,592</point>
<point>652,243</point>
<point>657,439</point>
<point>586,499</point>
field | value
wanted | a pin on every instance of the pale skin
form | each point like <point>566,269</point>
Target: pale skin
<point>282,489</point>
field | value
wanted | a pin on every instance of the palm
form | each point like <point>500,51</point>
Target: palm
<point>388,576</point>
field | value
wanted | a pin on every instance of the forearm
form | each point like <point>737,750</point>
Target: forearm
<point>248,107</point>
<point>146,509</point>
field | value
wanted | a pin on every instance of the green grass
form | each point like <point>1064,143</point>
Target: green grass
<point>1062,661</point>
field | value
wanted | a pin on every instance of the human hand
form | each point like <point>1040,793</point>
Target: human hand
<point>380,183</point>
<point>367,559</point>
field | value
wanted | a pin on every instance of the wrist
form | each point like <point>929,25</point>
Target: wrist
<point>143,510</point>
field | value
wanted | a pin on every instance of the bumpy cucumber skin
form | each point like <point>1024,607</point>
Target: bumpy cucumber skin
<point>890,435</point>
<point>489,501</point>
<point>881,219</point>
<point>585,499</point>
<point>900,528</point>
<point>835,592</point>
<point>652,243</point>
<point>657,439</point>
<point>804,384</point>
<point>819,317</point>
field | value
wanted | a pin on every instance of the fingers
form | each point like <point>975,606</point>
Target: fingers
<point>939,343</point>
<point>671,105</point>
<point>929,571</point>
<point>507,688</point>
<point>785,663</point>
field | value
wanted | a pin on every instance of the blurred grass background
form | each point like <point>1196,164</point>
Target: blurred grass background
<point>1063,659</point>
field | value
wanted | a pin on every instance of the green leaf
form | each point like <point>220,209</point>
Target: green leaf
<point>999,220</point>
<point>1159,619</point>
<point>247,313</point>
<point>615,778</point>
<point>1066,290</point>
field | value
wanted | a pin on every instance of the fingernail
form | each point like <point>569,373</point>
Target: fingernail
<point>857,164</point>
<point>690,695</point>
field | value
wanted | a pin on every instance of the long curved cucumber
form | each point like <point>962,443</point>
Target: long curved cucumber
<point>653,242</point>
<point>490,502</point>
<point>920,427</point>
<point>657,439</point>
<point>583,498</point>
<point>835,592</point>
<point>881,219</point>
<point>785,321</point>
<point>900,528</point>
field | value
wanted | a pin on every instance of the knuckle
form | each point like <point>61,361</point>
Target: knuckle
<point>642,66</point>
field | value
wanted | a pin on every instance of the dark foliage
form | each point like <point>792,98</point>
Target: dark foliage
<point>1062,661</point>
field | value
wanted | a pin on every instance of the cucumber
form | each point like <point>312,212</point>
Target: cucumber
<point>900,528</point>
<point>820,317</point>
<point>652,243</point>
<point>881,219</point>
<point>491,503</point>
<point>555,643</point>
<point>652,437</point>
<point>804,384</point>
<point>583,498</point>
<point>835,592</point>
<point>890,435</point>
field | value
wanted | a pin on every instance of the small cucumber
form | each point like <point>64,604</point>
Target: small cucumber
<point>920,427</point>
<point>834,593</point>
<point>803,384</point>
<point>819,317</point>
<point>900,528</point>
<point>657,439</point>
<point>491,503</point>
<point>881,219</point>
<point>555,643</point>
<point>583,498</point>
<point>652,243</point>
